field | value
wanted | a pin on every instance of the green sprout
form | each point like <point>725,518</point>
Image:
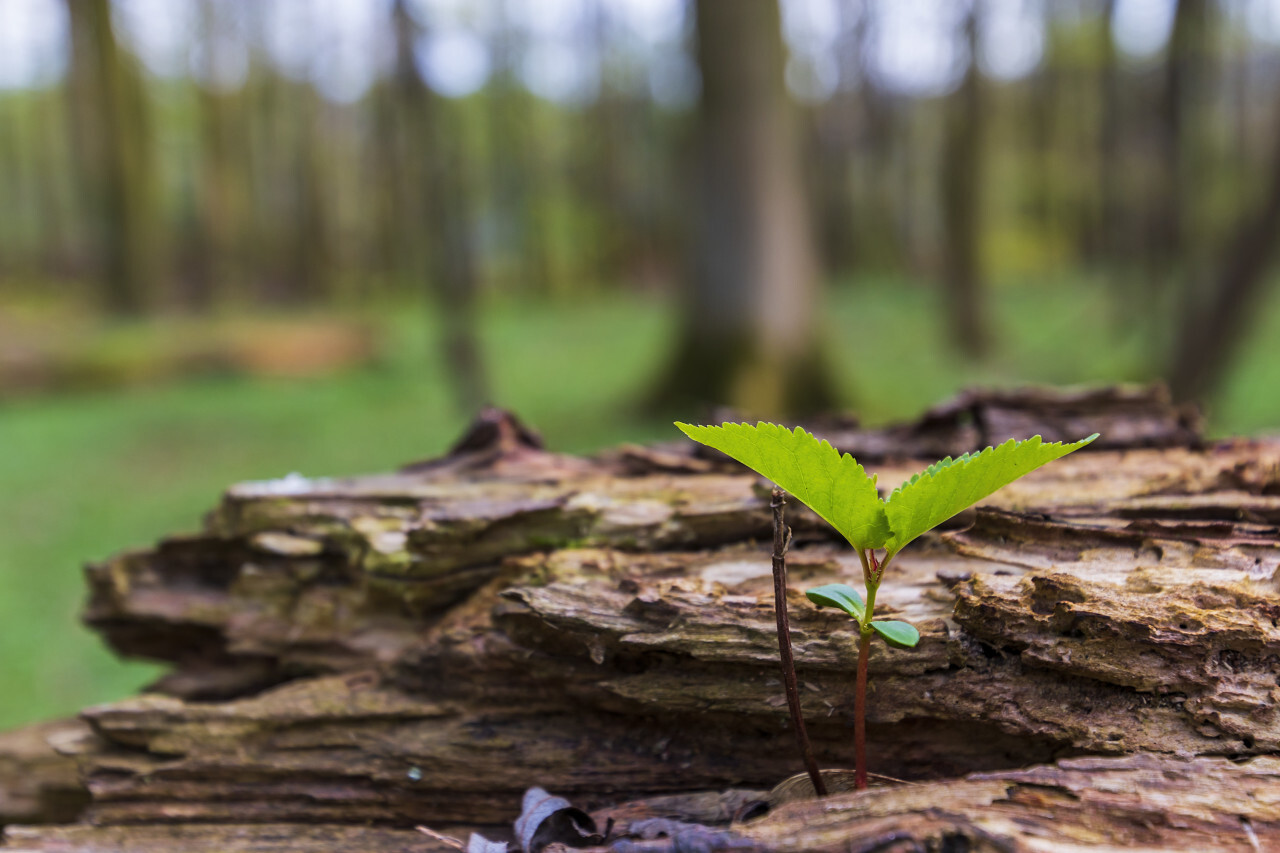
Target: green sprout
<point>841,492</point>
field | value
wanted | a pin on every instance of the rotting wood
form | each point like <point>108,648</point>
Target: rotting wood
<point>38,784</point>
<point>225,838</point>
<point>421,647</point>
<point>1140,802</point>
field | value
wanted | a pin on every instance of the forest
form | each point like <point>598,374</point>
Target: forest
<point>242,239</point>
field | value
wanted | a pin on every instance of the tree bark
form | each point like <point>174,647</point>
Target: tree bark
<point>1097,656</point>
<point>751,332</point>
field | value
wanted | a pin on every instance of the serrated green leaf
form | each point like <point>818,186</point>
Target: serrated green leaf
<point>834,486</point>
<point>839,595</point>
<point>946,462</point>
<point>902,635</point>
<point>951,485</point>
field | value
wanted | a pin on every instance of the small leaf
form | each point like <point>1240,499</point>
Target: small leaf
<point>839,595</point>
<point>950,485</point>
<point>901,635</point>
<point>833,485</point>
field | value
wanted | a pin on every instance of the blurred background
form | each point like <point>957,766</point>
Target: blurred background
<point>242,238</point>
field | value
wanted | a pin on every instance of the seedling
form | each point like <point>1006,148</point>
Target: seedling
<point>841,492</point>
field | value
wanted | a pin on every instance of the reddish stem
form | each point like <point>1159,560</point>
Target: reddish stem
<point>860,714</point>
<point>877,569</point>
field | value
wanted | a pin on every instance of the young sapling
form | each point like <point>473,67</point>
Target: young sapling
<point>841,492</point>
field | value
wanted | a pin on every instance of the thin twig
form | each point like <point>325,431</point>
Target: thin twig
<point>892,779</point>
<point>781,541</point>
<point>443,839</point>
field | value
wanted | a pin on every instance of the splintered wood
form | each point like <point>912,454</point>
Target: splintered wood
<point>1098,663</point>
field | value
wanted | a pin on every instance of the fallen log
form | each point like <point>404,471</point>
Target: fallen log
<point>1140,802</point>
<point>37,783</point>
<point>421,647</point>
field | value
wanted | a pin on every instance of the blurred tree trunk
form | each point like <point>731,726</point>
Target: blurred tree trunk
<point>601,173</point>
<point>270,209</point>
<point>209,273</point>
<point>111,124</point>
<point>435,167</point>
<point>832,134</point>
<point>307,252</point>
<point>13,168</point>
<point>1111,239</point>
<point>962,183</point>
<point>399,162</point>
<point>1042,134</point>
<point>51,180</point>
<point>393,252</point>
<point>750,335</point>
<point>516,163</point>
<point>298,246</point>
<point>1214,322</point>
<point>888,237</point>
<point>1183,67</point>
<point>1175,262</point>
<point>830,176</point>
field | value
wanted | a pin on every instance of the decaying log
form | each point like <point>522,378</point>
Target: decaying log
<point>1141,802</point>
<point>223,838</point>
<point>38,784</point>
<point>423,646</point>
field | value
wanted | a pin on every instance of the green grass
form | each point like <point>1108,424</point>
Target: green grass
<point>88,474</point>
<point>891,339</point>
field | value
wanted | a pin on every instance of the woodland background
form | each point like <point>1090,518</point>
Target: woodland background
<point>241,238</point>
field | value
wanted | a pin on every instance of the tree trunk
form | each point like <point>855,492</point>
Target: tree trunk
<point>1184,68</point>
<point>1097,659</point>
<point>109,113</point>
<point>518,164</point>
<point>1111,241</point>
<point>440,179</point>
<point>303,267</point>
<point>1212,326</point>
<point>962,183</point>
<point>751,334</point>
<point>212,271</point>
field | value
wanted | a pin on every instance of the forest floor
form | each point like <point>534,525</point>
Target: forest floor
<point>88,473</point>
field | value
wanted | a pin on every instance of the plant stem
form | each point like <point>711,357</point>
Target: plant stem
<point>860,713</point>
<point>781,541</point>
<point>872,571</point>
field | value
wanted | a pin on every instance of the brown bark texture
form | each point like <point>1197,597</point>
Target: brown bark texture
<point>351,658</point>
